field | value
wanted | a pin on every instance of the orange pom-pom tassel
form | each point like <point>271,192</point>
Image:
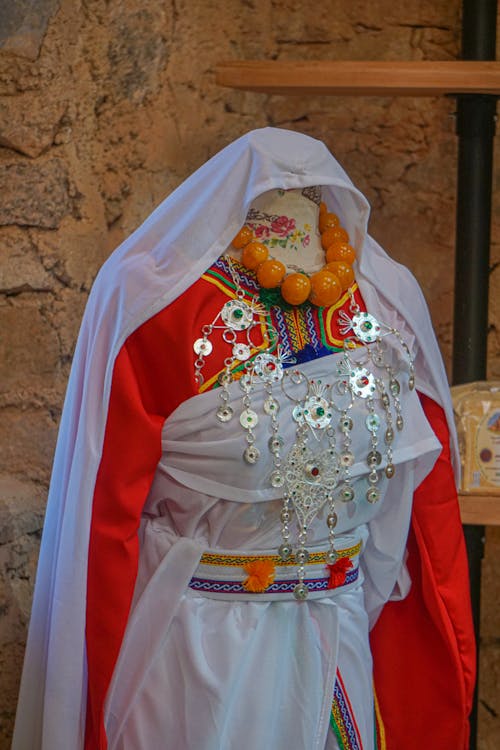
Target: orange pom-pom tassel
<point>261,576</point>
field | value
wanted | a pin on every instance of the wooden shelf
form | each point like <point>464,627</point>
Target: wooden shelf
<point>480,509</point>
<point>340,78</point>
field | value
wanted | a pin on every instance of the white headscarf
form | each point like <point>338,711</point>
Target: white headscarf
<point>158,262</point>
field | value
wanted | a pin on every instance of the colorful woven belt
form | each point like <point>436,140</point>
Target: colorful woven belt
<point>266,576</point>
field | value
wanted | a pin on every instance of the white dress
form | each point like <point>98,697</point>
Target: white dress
<point>202,670</point>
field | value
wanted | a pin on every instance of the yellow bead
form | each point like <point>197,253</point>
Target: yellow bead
<point>341,251</point>
<point>244,236</point>
<point>333,234</point>
<point>343,271</point>
<point>271,273</point>
<point>328,220</point>
<point>325,289</point>
<point>254,254</point>
<point>295,288</point>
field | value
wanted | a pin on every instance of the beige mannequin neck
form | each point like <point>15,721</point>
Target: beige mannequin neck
<point>286,221</point>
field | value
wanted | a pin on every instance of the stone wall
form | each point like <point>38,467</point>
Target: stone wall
<point>106,105</point>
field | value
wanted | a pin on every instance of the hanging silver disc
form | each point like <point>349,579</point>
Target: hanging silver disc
<point>366,327</point>
<point>251,454</point>
<point>237,315</point>
<point>317,412</point>
<point>362,382</point>
<point>241,352</point>
<point>268,368</point>
<point>249,419</point>
<point>224,413</point>
<point>203,346</point>
<point>271,406</point>
<point>373,422</point>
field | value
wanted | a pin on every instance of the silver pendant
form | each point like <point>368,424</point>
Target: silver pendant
<point>241,352</point>
<point>249,419</point>
<point>271,406</point>
<point>365,327</point>
<point>237,315</point>
<point>251,454</point>
<point>268,368</point>
<point>317,412</point>
<point>373,494</point>
<point>203,346</point>
<point>362,382</point>
<point>372,422</point>
<point>224,413</point>
<point>309,480</point>
<point>346,493</point>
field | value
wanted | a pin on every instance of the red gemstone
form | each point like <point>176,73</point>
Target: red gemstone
<point>315,471</point>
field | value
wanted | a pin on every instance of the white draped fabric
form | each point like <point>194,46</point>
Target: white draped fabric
<point>235,663</point>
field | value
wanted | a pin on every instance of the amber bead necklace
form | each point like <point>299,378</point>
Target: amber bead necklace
<point>322,288</point>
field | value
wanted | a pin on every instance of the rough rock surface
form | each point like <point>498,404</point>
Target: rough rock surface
<point>105,106</point>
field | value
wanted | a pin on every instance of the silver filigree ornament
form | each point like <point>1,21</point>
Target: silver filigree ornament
<point>310,479</point>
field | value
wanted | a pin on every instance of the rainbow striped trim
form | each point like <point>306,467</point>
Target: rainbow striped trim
<point>342,719</point>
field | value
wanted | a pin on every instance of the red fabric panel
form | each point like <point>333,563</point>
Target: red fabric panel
<point>423,647</point>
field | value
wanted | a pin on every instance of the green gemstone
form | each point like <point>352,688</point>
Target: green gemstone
<point>320,411</point>
<point>238,314</point>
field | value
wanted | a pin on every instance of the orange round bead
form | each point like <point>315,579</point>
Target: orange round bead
<point>325,288</point>
<point>295,288</point>
<point>341,251</point>
<point>328,220</point>
<point>343,271</point>
<point>322,208</point>
<point>244,236</point>
<point>271,273</point>
<point>333,234</point>
<point>254,254</point>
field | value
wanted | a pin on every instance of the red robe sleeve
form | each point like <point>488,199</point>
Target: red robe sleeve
<point>152,375</point>
<point>423,647</point>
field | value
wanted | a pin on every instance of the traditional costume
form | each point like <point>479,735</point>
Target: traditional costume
<point>168,611</point>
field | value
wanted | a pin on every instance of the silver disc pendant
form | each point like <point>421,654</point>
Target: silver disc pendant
<point>347,458</point>
<point>277,479</point>
<point>224,413</point>
<point>372,494</point>
<point>300,592</point>
<point>224,378</point>
<point>203,346</point>
<point>275,443</point>
<point>271,406</point>
<point>374,458</point>
<point>362,382</point>
<point>346,493</point>
<point>249,419</point>
<point>241,352</point>
<point>251,454</point>
<point>366,327</point>
<point>298,414</point>
<point>373,422</point>
<point>237,315</point>
<point>317,412</point>
<point>268,368</point>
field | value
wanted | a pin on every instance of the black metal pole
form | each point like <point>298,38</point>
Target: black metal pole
<point>475,130</point>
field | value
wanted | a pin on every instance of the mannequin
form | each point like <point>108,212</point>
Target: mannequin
<point>306,251</point>
<point>148,482</point>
